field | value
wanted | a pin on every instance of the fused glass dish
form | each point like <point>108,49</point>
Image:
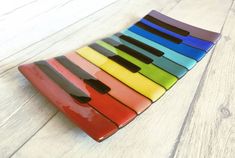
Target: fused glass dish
<point>105,85</point>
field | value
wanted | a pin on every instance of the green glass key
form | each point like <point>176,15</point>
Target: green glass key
<point>150,71</point>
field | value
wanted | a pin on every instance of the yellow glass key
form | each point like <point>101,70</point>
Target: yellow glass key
<point>136,81</point>
<point>150,71</point>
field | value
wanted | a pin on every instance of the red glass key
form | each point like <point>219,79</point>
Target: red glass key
<point>104,103</point>
<point>82,114</point>
<point>118,90</point>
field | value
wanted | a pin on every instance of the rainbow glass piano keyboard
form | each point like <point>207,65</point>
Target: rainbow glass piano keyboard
<point>105,85</point>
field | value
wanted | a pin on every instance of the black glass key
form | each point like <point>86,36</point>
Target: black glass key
<point>125,63</point>
<point>63,82</point>
<point>79,72</point>
<point>128,50</point>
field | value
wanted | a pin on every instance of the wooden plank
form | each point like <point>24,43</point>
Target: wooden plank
<point>37,20</point>
<point>12,5</point>
<point>210,129</point>
<point>153,133</point>
<point>24,111</point>
<point>17,57</point>
<point>9,82</point>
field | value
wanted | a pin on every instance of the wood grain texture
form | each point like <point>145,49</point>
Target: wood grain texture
<point>32,127</point>
<point>40,19</point>
<point>210,127</point>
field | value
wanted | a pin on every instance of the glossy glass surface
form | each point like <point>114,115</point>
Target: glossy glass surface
<point>134,80</point>
<point>118,90</point>
<point>103,86</point>
<point>167,26</point>
<point>150,71</point>
<point>104,103</point>
<point>86,77</point>
<point>193,31</point>
<point>82,114</point>
<point>160,61</point>
<point>158,33</point>
<point>128,50</point>
<point>188,40</point>
<point>123,62</point>
<point>64,83</point>
<point>168,53</point>
<point>183,49</point>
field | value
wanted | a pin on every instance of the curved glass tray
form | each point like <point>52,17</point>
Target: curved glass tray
<point>105,85</point>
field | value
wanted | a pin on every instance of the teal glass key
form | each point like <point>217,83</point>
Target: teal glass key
<point>160,61</point>
<point>168,53</point>
<point>150,71</point>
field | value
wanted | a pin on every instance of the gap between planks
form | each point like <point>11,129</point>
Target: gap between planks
<point>188,116</point>
<point>11,155</point>
<point>45,38</point>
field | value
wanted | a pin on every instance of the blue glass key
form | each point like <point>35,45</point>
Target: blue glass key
<point>181,48</point>
<point>188,40</point>
<point>160,61</point>
<point>168,53</point>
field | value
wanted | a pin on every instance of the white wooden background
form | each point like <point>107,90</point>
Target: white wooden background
<point>196,118</point>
